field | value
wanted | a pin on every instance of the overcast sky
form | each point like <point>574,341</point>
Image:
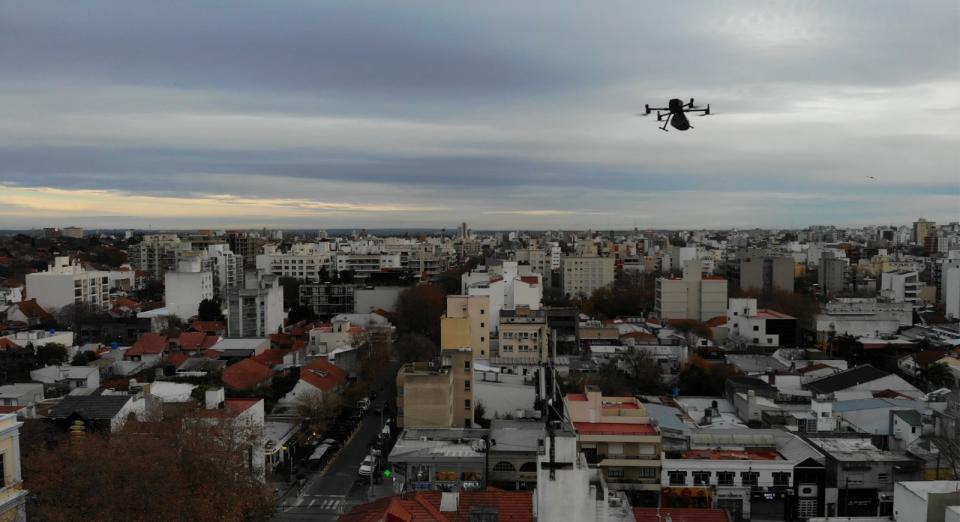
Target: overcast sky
<point>503,114</point>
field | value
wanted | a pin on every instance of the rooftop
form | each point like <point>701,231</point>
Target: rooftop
<point>680,515</point>
<point>712,454</point>
<point>614,428</point>
<point>857,450</point>
<point>846,379</point>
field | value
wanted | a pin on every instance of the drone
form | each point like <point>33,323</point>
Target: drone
<point>675,114</point>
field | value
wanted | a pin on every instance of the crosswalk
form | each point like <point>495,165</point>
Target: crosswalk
<point>318,503</point>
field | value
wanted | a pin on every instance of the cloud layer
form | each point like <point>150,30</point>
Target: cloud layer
<point>327,114</point>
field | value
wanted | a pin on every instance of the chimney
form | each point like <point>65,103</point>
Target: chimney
<point>213,399</point>
<point>771,377</point>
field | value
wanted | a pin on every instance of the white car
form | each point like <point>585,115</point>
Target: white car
<point>366,467</point>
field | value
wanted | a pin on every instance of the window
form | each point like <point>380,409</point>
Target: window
<point>756,328</point>
<point>756,341</point>
<point>482,311</point>
<point>749,478</point>
<point>781,479</point>
<point>483,339</point>
<point>883,477</point>
<point>482,324</point>
<point>725,478</point>
<point>504,467</point>
<point>615,473</point>
<point>466,365</point>
<point>769,340</point>
<point>615,449</point>
<point>677,478</point>
<point>736,314</point>
<point>701,478</point>
<point>648,473</point>
<point>466,384</point>
<point>466,404</point>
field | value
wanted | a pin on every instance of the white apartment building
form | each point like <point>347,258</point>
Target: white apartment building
<point>65,283</point>
<point>226,267</point>
<point>507,291</point>
<point>534,257</point>
<point>950,286</point>
<point>364,264</point>
<point>584,274</point>
<point>755,325</point>
<point>900,286</point>
<point>556,254</point>
<point>303,261</point>
<point>694,296</point>
<point>187,287</point>
<point>256,308</point>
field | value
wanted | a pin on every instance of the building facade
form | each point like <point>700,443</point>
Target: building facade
<point>581,275</point>
<point>66,283</point>
<point>256,309</point>
<point>694,296</point>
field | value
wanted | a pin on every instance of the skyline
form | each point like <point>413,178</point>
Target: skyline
<point>132,114</point>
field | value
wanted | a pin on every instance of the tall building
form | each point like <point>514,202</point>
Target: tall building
<point>157,253</point>
<point>694,296</point>
<point>466,324</point>
<point>247,245</point>
<point>227,269</point>
<point>437,394</point>
<point>921,228</point>
<point>523,335</point>
<point>951,290</point>
<point>65,283</point>
<point>765,273</point>
<point>618,438</point>
<point>584,274</point>
<point>256,308</point>
<point>832,273</point>
<point>185,288</point>
<point>312,262</point>
<point>327,300</point>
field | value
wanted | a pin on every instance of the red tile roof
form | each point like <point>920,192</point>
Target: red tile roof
<point>10,409</point>
<point>680,515</point>
<point>246,374</point>
<point>714,322</point>
<point>813,367</point>
<point>424,506</point>
<point>613,428</point>
<point>323,374</point>
<point>271,358</point>
<point>208,326</point>
<point>530,280</point>
<point>177,358</point>
<point>148,343</point>
<point>576,397</point>
<point>231,408</point>
<point>192,341</point>
<point>125,302</point>
<point>33,310</point>
<point>7,344</point>
<point>764,313</point>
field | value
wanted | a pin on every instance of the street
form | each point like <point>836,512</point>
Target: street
<point>325,497</point>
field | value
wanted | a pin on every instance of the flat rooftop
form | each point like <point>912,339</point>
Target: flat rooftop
<point>614,428</point>
<point>751,454</point>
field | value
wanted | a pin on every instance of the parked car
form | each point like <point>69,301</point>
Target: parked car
<point>368,466</point>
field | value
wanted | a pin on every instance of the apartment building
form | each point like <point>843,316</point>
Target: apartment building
<point>466,324</point>
<point>760,327</point>
<point>66,282</point>
<point>618,438</point>
<point>157,253</point>
<point>694,296</point>
<point>226,267</point>
<point>256,309</point>
<point>523,335</point>
<point>581,275</point>
<point>304,261</point>
<point>327,300</point>
<point>437,394</point>
<point>901,286</point>
<point>754,474</point>
<point>185,288</point>
<point>832,273</point>
<point>762,272</point>
<point>536,258</point>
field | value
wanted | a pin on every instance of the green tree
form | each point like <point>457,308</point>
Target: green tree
<point>210,310</point>
<point>82,358</point>
<point>415,347</point>
<point>291,291</point>
<point>419,309</point>
<point>937,375</point>
<point>51,354</point>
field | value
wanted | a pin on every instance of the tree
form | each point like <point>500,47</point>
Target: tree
<point>698,377</point>
<point>82,358</point>
<point>299,313</point>
<point>291,291</point>
<point>51,354</point>
<point>937,375</point>
<point>211,310</point>
<point>553,296</point>
<point>318,410</point>
<point>198,470</point>
<point>152,291</point>
<point>419,309</point>
<point>480,415</point>
<point>415,347</point>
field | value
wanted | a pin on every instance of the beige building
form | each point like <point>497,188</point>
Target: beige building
<point>694,296</point>
<point>584,274</point>
<point>12,495</point>
<point>437,394</point>
<point>523,335</point>
<point>616,436</point>
<point>466,323</point>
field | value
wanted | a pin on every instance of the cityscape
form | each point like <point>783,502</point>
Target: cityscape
<point>470,262</point>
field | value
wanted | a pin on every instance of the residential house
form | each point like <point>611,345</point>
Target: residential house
<point>13,497</point>
<point>448,459</point>
<point>429,506</point>
<point>512,455</point>
<point>247,374</point>
<point>319,376</point>
<point>67,378</point>
<point>107,413</point>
